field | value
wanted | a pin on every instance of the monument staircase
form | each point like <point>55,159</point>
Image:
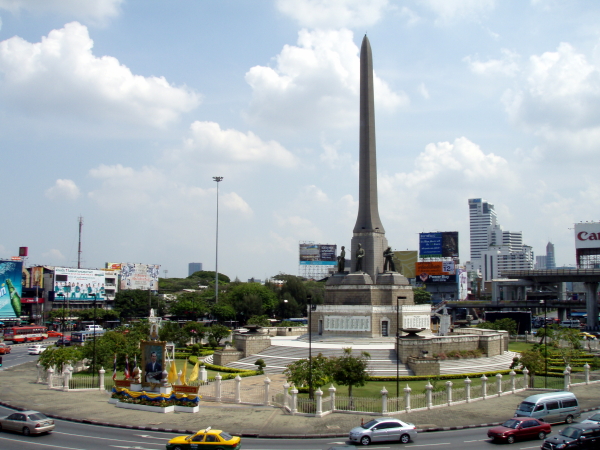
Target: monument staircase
<point>477,365</point>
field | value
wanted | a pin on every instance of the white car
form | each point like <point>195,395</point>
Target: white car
<point>36,349</point>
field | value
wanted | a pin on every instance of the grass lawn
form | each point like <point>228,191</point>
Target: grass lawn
<point>519,346</point>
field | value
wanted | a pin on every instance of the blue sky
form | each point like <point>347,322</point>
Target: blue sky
<point>122,111</point>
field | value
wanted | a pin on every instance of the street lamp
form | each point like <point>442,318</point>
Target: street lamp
<point>218,180</point>
<point>310,379</point>
<point>543,302</point>
<point>397,348</point>
<point>94,360</point>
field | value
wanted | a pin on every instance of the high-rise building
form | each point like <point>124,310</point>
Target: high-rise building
<point>550,259</point>
<point>194,267</point>
<point>494,250</point>
<point>541,262</point>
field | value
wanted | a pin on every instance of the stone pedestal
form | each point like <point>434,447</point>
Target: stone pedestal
<point>227,355</point>
<point>251,343</point>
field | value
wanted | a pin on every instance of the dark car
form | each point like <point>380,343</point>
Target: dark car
<point>575,436</point>
<point>27,422</point>
<point>64,341</point>
<point>520,428</point>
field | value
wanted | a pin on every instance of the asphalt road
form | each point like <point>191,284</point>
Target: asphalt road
<point>75,436</point>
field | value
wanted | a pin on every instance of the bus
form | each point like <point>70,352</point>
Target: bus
<point>300,320</point>
<point>25,334</point>
<point>81,337</point>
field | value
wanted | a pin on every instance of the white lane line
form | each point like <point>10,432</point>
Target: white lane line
<point>477,440</point>
<point>40,444</point>
<point>123,441</point>
<point>428,445</point>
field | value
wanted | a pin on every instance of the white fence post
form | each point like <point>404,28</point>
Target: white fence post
<point>218,387</point>
<point>203,374</point>
<point>512,381</point>
<point>66,377</point>
<point>449,392</point>
<point>39,372</point>
<point>267,385</point>
<point>332,397</point>
<point>384,395</point>
<point>50,373</point>
<point>484,386</point>
<point>286,396</point>
<point>586,368</point>
<point>294,399</point>
<point>428,389</point>
<point>238,389</point>
<point>101,373</point>
<point>407,391</point>
<point>468,389</point>
<point>499,383</point>
<point>567,380</point>
<point>525,377</point>
<point>319,395</point>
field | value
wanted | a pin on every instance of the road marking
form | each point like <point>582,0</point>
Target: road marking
<point>44,445</point>
<point>147,436</point>
<point>107,439</point>
<point>428,445</point>
<point>477,440</point>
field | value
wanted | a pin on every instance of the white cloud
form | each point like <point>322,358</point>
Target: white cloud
<point>208,140</point>
<point>333,158</point>
<point>60,75</point>
<point>63,189</point>
<point>459,9</point>
<point>423,91</point>
<point>331,14</point>
<point>314,83</point>
<point>53,256</point>
<point>558,98</point>
<point>234,202</point>
<point>508,65</point>
<point>94,10</point>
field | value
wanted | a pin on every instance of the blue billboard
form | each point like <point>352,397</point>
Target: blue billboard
<point>438,245</point>
<point>10,289</point>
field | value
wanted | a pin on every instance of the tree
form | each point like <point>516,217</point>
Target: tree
<point>422,296</point>
<point>262,321</point>
<point>349,370</point>
<point>216,332</point>
<point>298,372</point>
<point>534,361</point>
<point>505,324</point>
<point>252,299</point>
<point>222,311</point>
<point>188,305</point>
<point>58,357</point>
<point>567,343</point>
<point>137,303</point>
<point>172,332</point>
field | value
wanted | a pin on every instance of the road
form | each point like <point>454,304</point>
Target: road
<point>76,436</point>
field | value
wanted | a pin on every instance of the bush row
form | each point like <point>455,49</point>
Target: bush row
<point>460,376</point>
<point>230,370</point>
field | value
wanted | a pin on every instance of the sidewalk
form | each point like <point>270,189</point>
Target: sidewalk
<point>18,389</point>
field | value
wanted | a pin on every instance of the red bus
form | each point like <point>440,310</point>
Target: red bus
<point>25,334</point>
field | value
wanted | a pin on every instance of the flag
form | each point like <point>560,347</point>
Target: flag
<point>194,374</point>
<point>172,377</point>
<point>115,368</point>
<point>184,372</point>
<point>127,367</point>
<point>134,363</point>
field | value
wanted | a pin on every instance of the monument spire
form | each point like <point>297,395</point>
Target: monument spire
<point>368,211</point>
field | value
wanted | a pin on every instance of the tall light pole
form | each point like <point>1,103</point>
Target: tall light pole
<point>218,180</point>
<point>310,379</point>
<point>543,302</point>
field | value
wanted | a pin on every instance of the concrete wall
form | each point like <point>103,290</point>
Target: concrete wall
<point>424,366</point>
<point>251,343</point>
<point>368,295</point>
<point>224,357</point>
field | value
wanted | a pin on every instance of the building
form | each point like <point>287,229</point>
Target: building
<point>493,249</point>
<point>550,258</point>
<point>194,267</point>
<point>541,262</point>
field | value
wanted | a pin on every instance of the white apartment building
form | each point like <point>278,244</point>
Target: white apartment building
<point>494,250</point>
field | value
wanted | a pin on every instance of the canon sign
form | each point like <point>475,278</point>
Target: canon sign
<point>587,235</point>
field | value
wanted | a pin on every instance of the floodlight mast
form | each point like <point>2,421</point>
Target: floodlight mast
<point>218,180</point>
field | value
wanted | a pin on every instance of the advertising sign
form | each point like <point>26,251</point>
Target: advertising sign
<point>436,272</point>
<point>438,245</point>
<point>318,254</point>
<point>463,284</point>
<point>10,289</point>
<point>587,235</point>
<point>113,266</point>
<point>139,276</point>
<point>37,277</point>
<point>78,284</point>
<point>406,262</point>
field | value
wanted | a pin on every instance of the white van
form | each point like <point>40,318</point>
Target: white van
<point>551,407</point>
<point>93,327</point>
<point>570,323</point>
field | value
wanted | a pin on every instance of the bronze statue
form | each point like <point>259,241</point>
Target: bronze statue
<point>388,263</point>
<point>360,254</point>
<point>342,260</point>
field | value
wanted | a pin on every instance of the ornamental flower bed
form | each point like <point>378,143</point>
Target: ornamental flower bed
<point>124,395</point>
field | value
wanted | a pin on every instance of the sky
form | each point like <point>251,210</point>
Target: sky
<point>123,111</point>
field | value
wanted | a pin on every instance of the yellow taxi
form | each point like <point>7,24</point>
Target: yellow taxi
<point>587,336</point>
<point>206,439</point>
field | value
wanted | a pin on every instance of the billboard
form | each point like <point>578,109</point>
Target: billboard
<point>37,277</point>
<point>587,235</point>
<point>139,276</point>
<point>318,254</point>
<point>11,289</point>
<point>405,262</point>
<point>436,272</point>
<point>438,245</point>
<point>113,266</point>
<point>78,284</point>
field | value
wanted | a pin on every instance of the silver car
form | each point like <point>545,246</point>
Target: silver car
<point>27,422</point>
<point>383,429</point>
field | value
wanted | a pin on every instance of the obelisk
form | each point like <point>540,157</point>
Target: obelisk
<point>368,231</point>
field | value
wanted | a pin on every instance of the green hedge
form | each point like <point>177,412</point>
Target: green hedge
<point>460,376</point>
<point>227,370</point>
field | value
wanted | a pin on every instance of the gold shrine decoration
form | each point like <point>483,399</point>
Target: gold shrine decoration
<point>180,389</point>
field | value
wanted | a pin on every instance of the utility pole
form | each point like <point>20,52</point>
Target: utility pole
<point>79,248</point>
<point>218,180</point>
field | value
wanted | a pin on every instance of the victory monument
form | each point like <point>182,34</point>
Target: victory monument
<point>372,300</point>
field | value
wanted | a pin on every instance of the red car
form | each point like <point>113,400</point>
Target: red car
<point>520,428</point>
<point>54,334</point>
<point>4,349</point>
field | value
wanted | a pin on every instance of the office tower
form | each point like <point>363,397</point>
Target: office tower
<point>194,267</point>
<point>482,222</point>
<point>550,259</point>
